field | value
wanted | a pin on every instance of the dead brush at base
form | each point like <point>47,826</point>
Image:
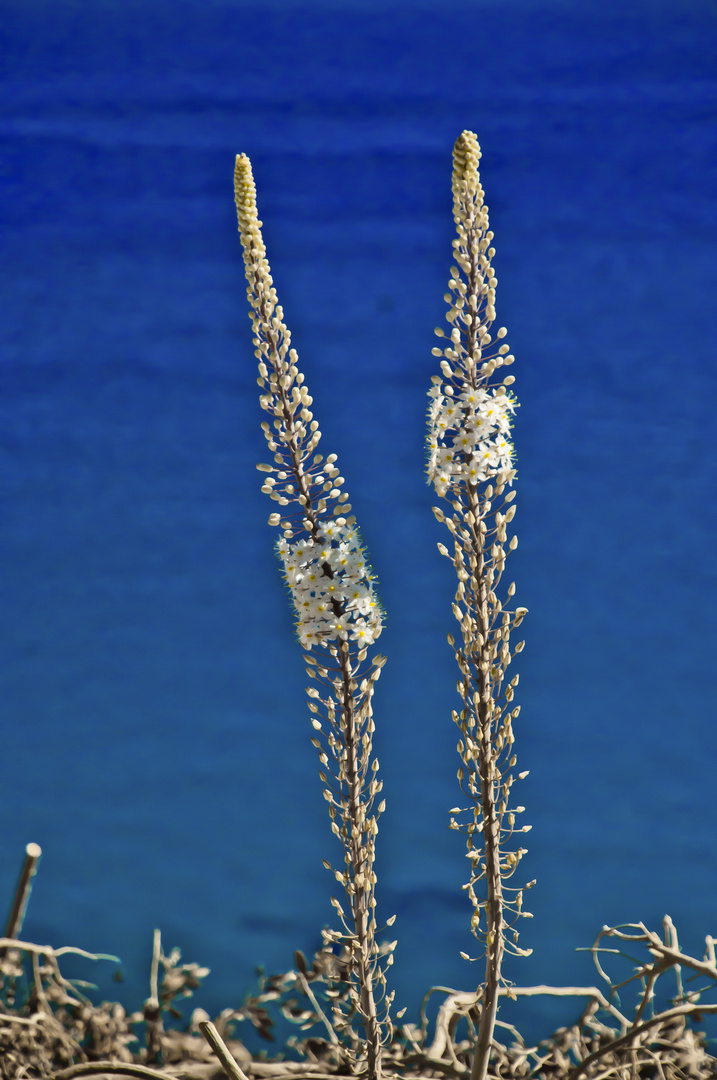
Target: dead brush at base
<point>675,1052</point>
<point>48,1029</point>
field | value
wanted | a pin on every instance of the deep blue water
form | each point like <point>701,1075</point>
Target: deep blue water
<point>155,740</point>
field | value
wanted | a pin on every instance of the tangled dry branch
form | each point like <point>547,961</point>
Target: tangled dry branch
<point>50,1029</point>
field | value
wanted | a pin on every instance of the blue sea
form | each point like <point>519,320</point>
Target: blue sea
<point>154,736</point>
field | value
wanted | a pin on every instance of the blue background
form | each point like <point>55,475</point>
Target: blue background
<point>155,739</point>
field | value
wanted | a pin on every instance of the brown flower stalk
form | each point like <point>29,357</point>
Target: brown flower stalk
<point>337,611</point>
<point>470,464</point>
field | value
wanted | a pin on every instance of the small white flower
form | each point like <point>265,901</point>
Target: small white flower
<point>307,637</point>
<point>464,440</point>
<point>473,399</point>
<point>362,633</point>
<point>450,412</point>
<point>471,473</point>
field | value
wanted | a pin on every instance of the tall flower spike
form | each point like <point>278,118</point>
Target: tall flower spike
<point>326,569</point>
<point>324,562</point>
<point>470,463</point>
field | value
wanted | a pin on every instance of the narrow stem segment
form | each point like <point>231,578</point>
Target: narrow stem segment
<point>362,873</point>
<point>22,892</point>
<point>491,826</point>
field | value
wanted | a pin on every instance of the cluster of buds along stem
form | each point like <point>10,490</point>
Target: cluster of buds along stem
<point>332,587</point>
<point>470,463</point>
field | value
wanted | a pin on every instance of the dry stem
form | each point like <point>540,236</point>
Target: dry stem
<point>22,892</point>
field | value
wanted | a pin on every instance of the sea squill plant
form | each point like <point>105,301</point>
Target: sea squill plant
<point>470,464</point>
<point>338,616</point>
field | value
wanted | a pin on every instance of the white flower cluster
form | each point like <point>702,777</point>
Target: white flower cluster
<point>467,437</point>
<point>331,585</point>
